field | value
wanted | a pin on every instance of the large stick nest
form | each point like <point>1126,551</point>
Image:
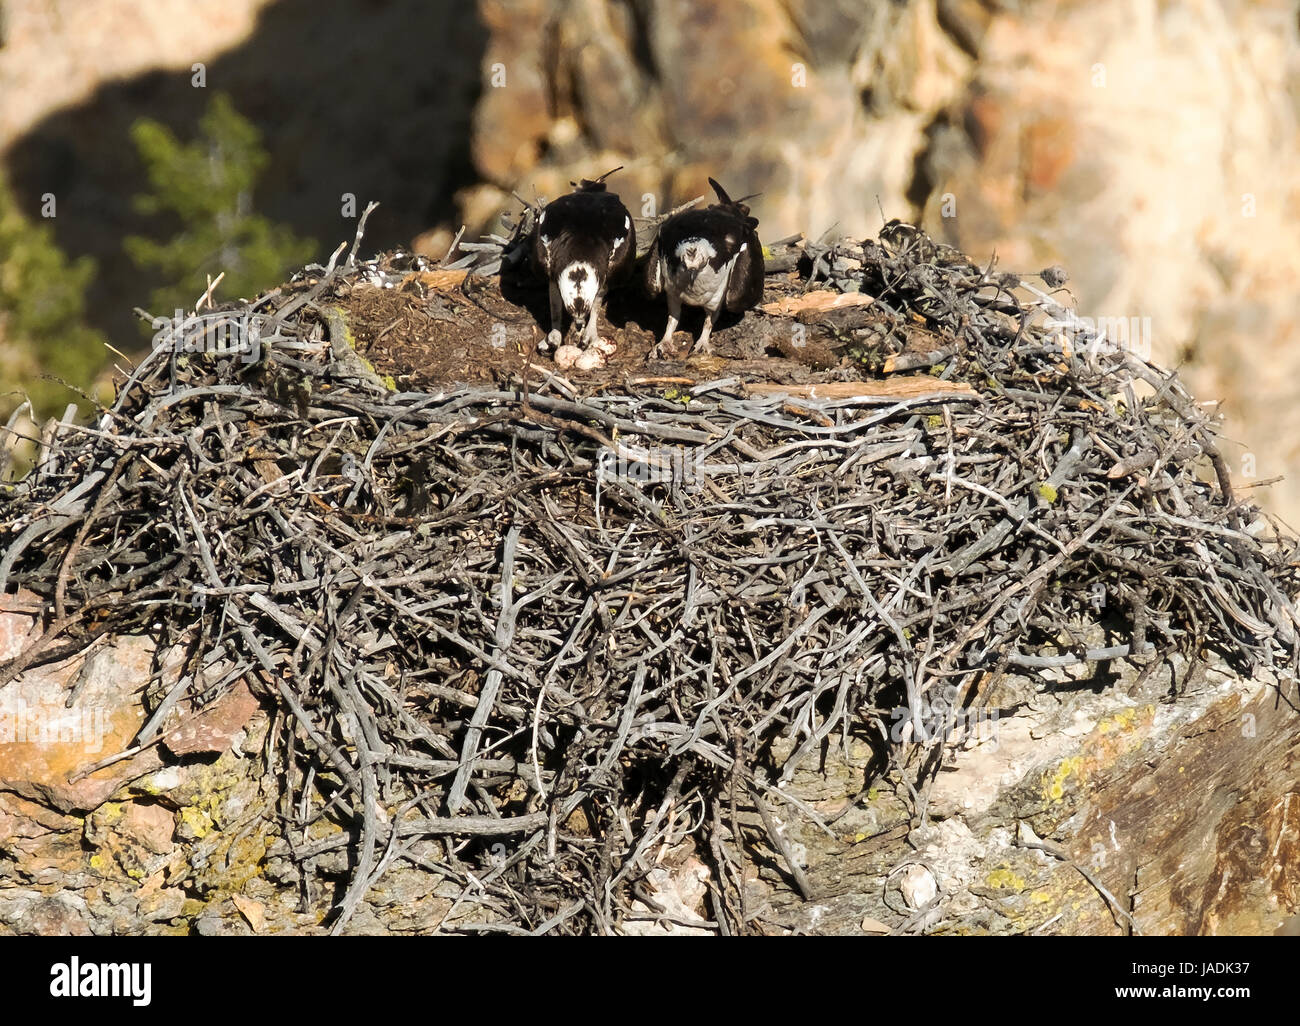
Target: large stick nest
<point>517,633</point>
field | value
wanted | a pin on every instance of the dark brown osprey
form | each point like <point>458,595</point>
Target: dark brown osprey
<point>583,242</point>
<point>709,258</point>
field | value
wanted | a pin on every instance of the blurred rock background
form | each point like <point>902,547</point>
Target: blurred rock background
<point>1147,147</point>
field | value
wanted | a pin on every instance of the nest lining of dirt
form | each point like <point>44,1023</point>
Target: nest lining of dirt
<point>529,633</point>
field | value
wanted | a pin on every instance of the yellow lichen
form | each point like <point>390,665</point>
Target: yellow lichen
<point>1004,877</point>
<point>199,822</point>
<point>1121,720</point>
<point>110,813</point>
<point>1054,783</point>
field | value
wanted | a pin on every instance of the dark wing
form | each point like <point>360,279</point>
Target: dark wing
<point>623,252</point>
<point>541,252</point>
<point>591,225</point>
<point>745,287</point>
<point>727,227</point>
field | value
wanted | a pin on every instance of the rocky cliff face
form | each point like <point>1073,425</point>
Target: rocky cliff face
<point>183,836</point>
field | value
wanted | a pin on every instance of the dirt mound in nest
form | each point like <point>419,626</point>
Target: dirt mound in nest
<point>526,630</point>
<point>431,328</point>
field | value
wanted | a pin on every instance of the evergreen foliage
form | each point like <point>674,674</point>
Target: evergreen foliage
<point>206,187</point>
<point>43,332</point>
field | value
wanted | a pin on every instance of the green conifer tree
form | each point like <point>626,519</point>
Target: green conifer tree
<point>42,316</point>
<point>207,185</point>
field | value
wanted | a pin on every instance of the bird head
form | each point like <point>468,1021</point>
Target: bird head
<point>693,255</point>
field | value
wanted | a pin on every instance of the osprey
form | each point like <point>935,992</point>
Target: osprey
<point>710,258</point>
<point>582,243</point>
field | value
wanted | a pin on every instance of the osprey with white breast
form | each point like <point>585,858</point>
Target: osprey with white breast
<point>583,242</point>
<point>709,258</point>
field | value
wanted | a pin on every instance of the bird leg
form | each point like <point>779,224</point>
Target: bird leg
<point>703,345</point>
<point>659,352</point>
<point>591,332</point>
<point>599,342</point>
<point>556,335</point>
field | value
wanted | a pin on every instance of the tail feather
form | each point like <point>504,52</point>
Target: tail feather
<point>595,184</point>
<point>737,205</point>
